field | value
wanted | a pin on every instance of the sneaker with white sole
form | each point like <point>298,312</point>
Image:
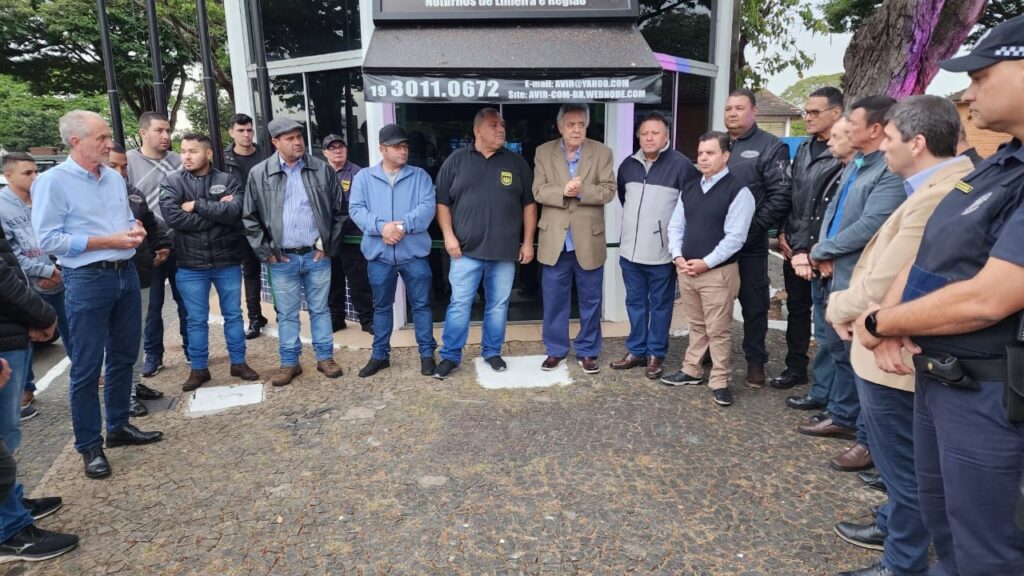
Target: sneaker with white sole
<point>33,544</point>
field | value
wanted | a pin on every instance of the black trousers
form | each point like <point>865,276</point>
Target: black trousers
<point>798,328</point>
<point>251,268</point>
<point>754,298</point>
<point>350,266</point>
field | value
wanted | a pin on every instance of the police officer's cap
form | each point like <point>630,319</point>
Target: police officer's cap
<point>1004,42</point>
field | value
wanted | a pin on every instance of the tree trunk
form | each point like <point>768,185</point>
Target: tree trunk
<point>897,50</point>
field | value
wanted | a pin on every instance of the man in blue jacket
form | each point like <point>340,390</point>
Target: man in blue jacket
<point>393,203</point>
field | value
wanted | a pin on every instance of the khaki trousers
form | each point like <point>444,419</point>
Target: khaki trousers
<point>708,302</point>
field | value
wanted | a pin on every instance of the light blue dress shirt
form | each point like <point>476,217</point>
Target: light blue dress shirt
<point>300,228</point>
<point>737,223</point>
<point>917,180</point>
<point>574,166</point>
<point>70,204</point>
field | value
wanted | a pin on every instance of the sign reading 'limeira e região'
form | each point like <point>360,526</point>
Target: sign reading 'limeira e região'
<point>465,89</point>
<point>384,10</point>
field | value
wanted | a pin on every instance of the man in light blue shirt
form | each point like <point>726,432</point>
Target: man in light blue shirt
<point>81,215</point>
<point>708,228</point>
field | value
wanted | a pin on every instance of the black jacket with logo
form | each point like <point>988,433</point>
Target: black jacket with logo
<point>211,235</point>
<point>761,161</point>
<point>156,236</point>
<point>21,307</point>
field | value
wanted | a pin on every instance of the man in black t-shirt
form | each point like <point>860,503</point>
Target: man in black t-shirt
<point>239,159</point>
<point>484,205</point>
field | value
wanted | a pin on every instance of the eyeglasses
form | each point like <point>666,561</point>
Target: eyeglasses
<point>815,113</point>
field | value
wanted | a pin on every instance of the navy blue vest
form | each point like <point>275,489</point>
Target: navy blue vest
<point>705,216</point>
<point>958,240</point>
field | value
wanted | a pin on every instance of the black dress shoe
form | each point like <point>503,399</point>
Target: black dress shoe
<point>373,366</point>
<point>876,570</point>
<point>787,381</point>
<point>427,365</point>
<point>864,535</point>
<point>255,329</point>
<point>137,409</point>
<point>872,480</point>
<point>143,392</point>
<point>96,465</point>
<point>368,328</point>
<point>803,403</point>
<point>130,435</point>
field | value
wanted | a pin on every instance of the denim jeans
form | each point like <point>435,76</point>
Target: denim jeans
<point>194,287</point>
<point>888,415</point>
<point>57,301</point>
<point>843,405</point>
<point>289,281</point>
<point>105,315</point>
<point>650,293</point>
<point>416,276</point>
<point>154,329</point>
<point>823,369</point>
<point>465,276</point>
<point>13,515</point>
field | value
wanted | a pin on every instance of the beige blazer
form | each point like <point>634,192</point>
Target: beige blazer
<point>892,247</point>
<point>585,215</point>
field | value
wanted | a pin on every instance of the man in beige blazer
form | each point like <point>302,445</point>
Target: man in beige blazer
<point>920,145</point>
<point>572,181</point>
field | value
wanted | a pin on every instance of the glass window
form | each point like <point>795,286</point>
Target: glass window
<point>288,99</point>
<point>677,27</point>
<point>336,106</point>
<point>310,27</point>
<point>693,112</point>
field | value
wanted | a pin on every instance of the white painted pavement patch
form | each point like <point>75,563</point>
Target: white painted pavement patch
<point>522,372</point>
<point>217,398</point>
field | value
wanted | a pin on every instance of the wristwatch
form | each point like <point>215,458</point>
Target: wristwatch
<point>871,324</point>
<point>400,226</point>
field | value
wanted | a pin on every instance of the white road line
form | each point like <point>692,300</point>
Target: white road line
<point>52,374</point>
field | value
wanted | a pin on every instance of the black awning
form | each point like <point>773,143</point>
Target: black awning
<point>512,63</point>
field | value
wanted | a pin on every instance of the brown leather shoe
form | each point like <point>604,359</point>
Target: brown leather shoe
<point>826,427</point>
<point>196,378</point>
<point>853,460</point>
<point>329,368</point>
<point>244,372</point>
<point>550,363</point>
<point>653,370</point>
<point>589,364</point>
<point>627,362</point>
<point>284,375</point>
<point>755,375</point>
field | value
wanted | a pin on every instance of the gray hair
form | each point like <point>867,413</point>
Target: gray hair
<point>933,117</point>
<point>76,123</point>
<point>483,114</point>
<point>573,107</point>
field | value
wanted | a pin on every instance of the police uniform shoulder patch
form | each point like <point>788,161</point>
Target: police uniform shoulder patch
<point>506,178</point>
<point>964,187</point>
<point>976,204</point>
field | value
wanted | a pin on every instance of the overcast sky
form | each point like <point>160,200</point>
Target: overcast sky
<point>828,52</point>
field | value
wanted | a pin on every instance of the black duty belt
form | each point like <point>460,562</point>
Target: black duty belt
<point>299,251</point>
<point>985,369</point>
<point>109,264</point>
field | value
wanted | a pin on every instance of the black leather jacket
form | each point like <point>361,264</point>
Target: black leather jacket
<point>21,307</point>
<point>210,236</point>
<point>156,236</point>
<point>263,211</point>
<point>761,161</point>
<point>811,176</point>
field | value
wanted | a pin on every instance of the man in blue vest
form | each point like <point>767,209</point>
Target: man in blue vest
<point>708,228</point>
<point>961,300</point>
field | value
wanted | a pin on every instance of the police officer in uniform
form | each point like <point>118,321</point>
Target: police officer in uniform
<point>960,302</point>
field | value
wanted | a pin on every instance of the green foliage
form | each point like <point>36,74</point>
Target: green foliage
<point>677,27</point>
<point>27,120</point>
<point>195,111</point>
<point>797,93</point>
<point>766,27</point>
<point>54,45</point>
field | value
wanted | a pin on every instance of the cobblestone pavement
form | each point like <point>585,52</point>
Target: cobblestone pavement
<point>401,474</point>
